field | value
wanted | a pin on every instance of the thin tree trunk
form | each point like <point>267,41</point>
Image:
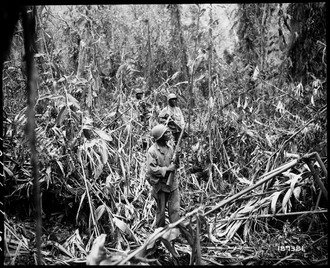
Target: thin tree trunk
<point>82,57</point>
<point>149,59</point>
<point>183,49</point>
<point>30,45</point>
<point>191,84</point>
<point>210,106</point>
<point>263,48</point>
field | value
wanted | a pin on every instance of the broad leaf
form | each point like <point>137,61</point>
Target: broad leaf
<point>296,192</point>
<point>286,199</point>
<point>274,201</point>
<point>103,135</point>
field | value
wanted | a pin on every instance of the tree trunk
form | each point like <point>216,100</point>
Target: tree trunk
<point>149,80</point>
<point>82,57</point>
<point>191,82</point>
<point>210,106</point>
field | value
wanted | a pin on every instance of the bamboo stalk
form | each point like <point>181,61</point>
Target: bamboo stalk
<point>287,257</point>
<point>318,200</point>
<point>231,248</point>
<point>129,157</point>
<point>275,215</point>
<point>266,193</point>
<point>212,261</point>
<point>29,46</point>
<point>317,179</point>
<point>267,177</point>
<point>198,242</point>
<point>319,160</point>
<point>88,196</point>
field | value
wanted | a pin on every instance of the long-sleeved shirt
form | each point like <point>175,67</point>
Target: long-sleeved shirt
<point>158,159</point>
<point>176,114</point>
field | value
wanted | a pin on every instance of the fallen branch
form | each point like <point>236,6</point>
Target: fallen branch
<point>285,258</point>
<point>212,261</point>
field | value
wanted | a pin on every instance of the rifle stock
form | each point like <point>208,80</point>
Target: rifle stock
<point>170,175</point>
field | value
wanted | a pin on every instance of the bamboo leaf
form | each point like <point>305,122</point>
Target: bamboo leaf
<point>99,211</point>
<point>124,228</point>
<point>221,234</point>
<point>244,180</point>
<point>103,135</point>
<point>175,75</point>
<point>294,181</point>
<point>269,141</point>
<point>247,227</point>
<point>274,201</point>
<point>286,200</point>
<point>72,100</point>
<point>239,102</point>
<point>97,253</point>
<point>234,229</point>
<point>296,192</point>
<point>80,204</point>
<point>171,234</point>
<point>60,166</point>
<point>61,116</point>
<point>212,238</point>
<point>104,154</point>
<point>8,171</point>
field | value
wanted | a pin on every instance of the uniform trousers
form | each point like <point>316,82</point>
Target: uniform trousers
<point>172,200</point>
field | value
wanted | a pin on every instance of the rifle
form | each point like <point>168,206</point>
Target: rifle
<point>170,175</point>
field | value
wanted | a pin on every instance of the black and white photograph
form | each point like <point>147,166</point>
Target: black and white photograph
<point>166,134</point>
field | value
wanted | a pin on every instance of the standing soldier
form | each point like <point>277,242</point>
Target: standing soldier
<point>159,165</point>
<point>172,116</point>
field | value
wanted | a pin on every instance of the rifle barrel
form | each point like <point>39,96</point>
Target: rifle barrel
<point>171,174</point>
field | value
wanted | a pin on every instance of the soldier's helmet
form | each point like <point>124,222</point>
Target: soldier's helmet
<point>158,131</point>
<point>171,96</point>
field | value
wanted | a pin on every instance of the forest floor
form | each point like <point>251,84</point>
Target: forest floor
<point>279,240</point>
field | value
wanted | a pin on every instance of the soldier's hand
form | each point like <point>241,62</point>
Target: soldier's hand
<point>171,167</point>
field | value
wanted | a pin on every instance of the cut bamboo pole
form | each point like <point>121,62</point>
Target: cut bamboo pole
<point>272,174</point>
<point>275,215</point>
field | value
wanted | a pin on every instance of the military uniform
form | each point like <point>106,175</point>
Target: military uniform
<point>158,159</point>
<point>173,118</point>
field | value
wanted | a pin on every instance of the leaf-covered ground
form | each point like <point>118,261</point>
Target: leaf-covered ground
<point>244,231</point>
